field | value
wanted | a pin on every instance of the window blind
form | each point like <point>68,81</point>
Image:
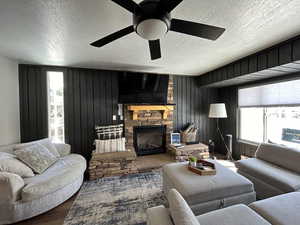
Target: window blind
<point>277,94</point>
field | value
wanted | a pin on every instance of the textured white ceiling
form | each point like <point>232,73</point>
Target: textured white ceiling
<point>58,32</point>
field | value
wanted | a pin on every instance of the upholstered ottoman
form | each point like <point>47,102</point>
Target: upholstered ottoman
<point>207,193</point>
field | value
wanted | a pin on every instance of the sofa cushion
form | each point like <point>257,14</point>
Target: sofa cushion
<point>158,215</point>
<point>279,155</point>
<point>180,211</point>
<point>271,174</point>
<point>46,142</point>
<point>9,163</point>
<point>10,186</point>
<point>280,210</point>
<point>63,149</point>
<point>197,189</point>
<point>63,172</point>
<point>7,148</point>
<point>233,215</point>
<point>37,157</point>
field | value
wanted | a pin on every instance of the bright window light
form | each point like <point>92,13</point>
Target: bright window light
<point>56,128</point>
<point>278,125</point>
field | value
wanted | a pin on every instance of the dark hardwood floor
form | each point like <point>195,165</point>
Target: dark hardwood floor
<point>55,216</point>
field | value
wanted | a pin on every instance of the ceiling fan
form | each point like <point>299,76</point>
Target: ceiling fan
<point>152,20</point>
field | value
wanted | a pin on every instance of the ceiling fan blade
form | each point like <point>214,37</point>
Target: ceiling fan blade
<point>196,29</point>
<point>130,5</point>
<point>154,49</point>
<point>169,5</point>
<point>113,36</point>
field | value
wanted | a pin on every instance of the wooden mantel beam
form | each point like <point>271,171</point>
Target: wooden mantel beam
<point>164,108</point>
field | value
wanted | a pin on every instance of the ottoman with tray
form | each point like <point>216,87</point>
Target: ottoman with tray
<point>207,193</point>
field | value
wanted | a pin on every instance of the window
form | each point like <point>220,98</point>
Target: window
<point>251,121</point>
<point>271,124</point>
<point>270,113</point>
<point>56,106</point>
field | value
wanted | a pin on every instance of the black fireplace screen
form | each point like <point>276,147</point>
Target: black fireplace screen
<point>149,139</point>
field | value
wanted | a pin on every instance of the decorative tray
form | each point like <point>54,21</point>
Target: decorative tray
<point>206,169</point>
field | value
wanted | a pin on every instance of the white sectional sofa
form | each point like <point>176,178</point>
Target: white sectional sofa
<point>279,210</point>
<point>275,170</point>
<point>23,198</point>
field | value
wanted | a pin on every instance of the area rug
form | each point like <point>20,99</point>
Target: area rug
<point>121,200</point>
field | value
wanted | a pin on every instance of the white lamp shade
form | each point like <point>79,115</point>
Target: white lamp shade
<point>217,110</point>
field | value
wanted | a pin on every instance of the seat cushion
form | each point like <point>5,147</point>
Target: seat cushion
<point>271,174</point>
<point>196,189</point>
<point>279,155</point>
<point>180,211</point>
<point>233,215</point>
<point>280,210</point>
<point>9,163</point>
<point>63,172</point>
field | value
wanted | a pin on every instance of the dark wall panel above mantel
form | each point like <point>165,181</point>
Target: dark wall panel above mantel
<point>281,59</point>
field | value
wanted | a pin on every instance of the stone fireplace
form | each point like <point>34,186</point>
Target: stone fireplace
<point>148,127</point>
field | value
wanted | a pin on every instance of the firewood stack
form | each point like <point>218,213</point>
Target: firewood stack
<point>190,134</point>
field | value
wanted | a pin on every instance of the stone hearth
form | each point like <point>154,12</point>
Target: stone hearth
<point>151,116</point>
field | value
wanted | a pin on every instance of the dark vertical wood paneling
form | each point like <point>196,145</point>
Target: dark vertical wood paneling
<point>228,126</point>
<point>93,95</point>
<point>273,58</point>
<point>285,53</point>
<point>245,66</point>
<point>262,62</point>
<point>253,64</point>
<point>261,65</point>
<point>296,50</point>
<point>90,98</point>
<point>33,103</point>
<point>192,104</point>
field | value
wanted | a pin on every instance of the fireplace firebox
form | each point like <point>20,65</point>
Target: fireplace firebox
<point>149,139</point>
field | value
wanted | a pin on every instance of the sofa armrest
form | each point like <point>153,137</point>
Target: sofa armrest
<point>158,215</point>
<point>63,149</point>
<point>10,185</point>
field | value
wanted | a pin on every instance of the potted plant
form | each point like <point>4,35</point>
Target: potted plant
<point>193,161</point>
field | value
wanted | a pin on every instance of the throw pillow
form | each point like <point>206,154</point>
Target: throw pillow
<point>180,211</point>
<point>37,157</point>
<point>46,142</point>
<point>110,145</point>
<point>10,164</point>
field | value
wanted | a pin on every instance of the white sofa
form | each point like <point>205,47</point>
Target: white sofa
<point>25,198</point>
<point>279,210</point>
<point>275,170</point>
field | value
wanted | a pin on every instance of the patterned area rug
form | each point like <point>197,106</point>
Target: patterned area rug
<point>119,200</point>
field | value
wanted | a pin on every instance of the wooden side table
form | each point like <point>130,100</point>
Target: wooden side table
<point>183,152</point>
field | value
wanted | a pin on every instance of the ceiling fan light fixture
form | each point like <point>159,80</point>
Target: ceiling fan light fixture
<point>152,29</point>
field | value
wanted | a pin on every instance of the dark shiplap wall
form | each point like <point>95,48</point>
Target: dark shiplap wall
<point>192,105</point>
<point>91,98</point>
<point>229,124</point>
<point>33,103</point>
<point>281,59</point>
